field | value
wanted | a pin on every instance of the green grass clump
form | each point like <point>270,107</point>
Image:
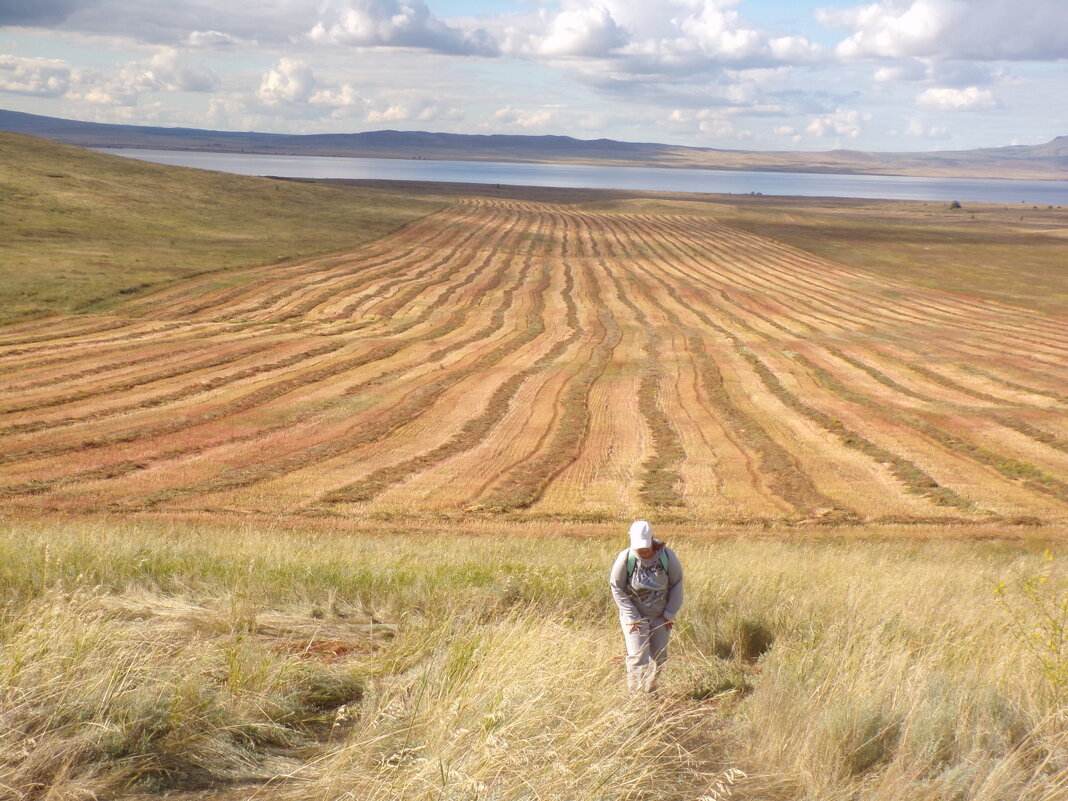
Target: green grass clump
<point>83,230</point>
<point>140,656</point>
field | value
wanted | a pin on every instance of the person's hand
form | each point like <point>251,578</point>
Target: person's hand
<point>668,624</point>
<point>635,627</point>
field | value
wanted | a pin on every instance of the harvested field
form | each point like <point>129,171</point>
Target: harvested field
<point>544,360</point>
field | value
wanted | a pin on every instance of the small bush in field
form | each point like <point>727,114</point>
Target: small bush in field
<point>1037,607</point>
<point>714,678</point>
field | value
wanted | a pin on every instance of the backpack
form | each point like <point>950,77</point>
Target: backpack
<point>632,561</point>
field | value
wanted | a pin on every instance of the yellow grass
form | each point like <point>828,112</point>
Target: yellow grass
<point>342,663</point>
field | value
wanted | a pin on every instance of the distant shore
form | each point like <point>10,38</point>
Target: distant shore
<point>801,163</point>
<point>1044,162</point>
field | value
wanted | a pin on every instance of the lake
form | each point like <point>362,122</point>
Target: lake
<point>665,179</point>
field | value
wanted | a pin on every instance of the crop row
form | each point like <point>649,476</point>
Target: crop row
<point>288,381</point>
<point>293,387</point>
<point>914,478</point>
<point>776,464</point>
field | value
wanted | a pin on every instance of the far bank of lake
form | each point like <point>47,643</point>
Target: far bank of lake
<point>581,176</point>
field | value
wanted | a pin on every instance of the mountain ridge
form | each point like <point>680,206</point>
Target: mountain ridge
<point>1044,161</point>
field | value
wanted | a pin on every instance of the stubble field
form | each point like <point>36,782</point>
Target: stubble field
<point>535,360</point>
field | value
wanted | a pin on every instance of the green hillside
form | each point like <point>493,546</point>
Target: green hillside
<point>81,230</point>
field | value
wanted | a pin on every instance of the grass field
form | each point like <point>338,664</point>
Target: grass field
<point>339,526</point>
<point>82,230</point>
<point>345,662</point>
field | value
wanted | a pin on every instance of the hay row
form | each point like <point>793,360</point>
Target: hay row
<point>142,379</point>
<point>478,428</point>
<point>784,477</point>
<point>245,404</point>
<point>413,404</point>
<point>915,479</point>
<point>661,482</point>
<point>522,486</point>
<point>501,322</point>
<point>186,393</point>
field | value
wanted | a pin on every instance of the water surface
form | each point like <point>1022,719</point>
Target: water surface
<point>581,176</point>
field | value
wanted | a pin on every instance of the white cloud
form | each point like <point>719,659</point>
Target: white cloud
<point>919,128</point>
<point>933,72</point>
<point>390,23</point>
<point>341,97</point>
<point>843,122</point>
<point>962,74</point>
<point>893,29</point>
<point>653,41</point>
<point>794,50</point>
<point>205,23</point>
<point>981,30</point>
<point>167,71</point>
<point>910,70</point>
<point>719,33</point>
<point>618,66</point>
<point>588,31</point>
<point>211,39</point>
<point>673,53</point>
<point>711,122</point>
<point>101,97</point>
<point>419,111</point>
<point>949,99</point>
<point>519,118</point>
<point>721,128</point>
<point>173,22</point>
<point>291,81</point>
<point>390,114</point>
<point>43,77</point>
<point>453,114</point>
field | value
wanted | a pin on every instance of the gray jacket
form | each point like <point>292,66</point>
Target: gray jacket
<point>648,592</point>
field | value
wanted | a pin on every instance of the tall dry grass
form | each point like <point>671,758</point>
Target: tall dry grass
<point>148,657</point>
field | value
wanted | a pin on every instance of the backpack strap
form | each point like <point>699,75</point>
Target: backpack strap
<point>632,561</point>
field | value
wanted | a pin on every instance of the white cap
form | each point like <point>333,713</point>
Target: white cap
<point>641,535</point>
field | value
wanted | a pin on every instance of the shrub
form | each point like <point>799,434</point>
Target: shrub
<point>1037,608</point>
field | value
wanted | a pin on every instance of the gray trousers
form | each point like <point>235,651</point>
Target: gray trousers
<point>646,653</point>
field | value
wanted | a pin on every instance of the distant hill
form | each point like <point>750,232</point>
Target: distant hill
<point>1046,161</point>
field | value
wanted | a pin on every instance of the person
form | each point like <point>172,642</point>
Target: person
<point>646,583</point>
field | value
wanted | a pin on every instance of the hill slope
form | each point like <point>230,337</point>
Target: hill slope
<point>1041,162</point>
<point>87,228</point>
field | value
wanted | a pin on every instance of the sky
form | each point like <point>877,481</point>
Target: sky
<point>888,75</point>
